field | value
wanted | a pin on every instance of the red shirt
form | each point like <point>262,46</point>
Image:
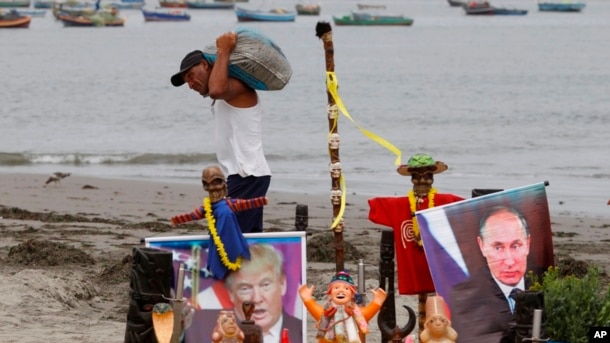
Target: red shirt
<point>411,264</point>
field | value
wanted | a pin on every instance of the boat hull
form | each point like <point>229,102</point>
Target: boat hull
<point>307,9</point>
<point>210,5</point>
<point>244,15</point>
<point>32,13</point>
<point>172,4</point>
<point>455,3</point>
<point>81,21</point>
<point>165,16</point>
<point>17,23</point>
<point>387,21</point>
<point>561,7</point>
<point>43,4</point>
<point>15,3</point>
<point>128,5</point>
<point>490,10</point>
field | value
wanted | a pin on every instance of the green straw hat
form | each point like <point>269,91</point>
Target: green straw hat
<point>419,161</point>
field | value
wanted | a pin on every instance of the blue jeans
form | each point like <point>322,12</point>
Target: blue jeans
<point>247,188</point>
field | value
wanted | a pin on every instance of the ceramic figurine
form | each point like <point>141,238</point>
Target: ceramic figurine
<point>340,319</point>
<point>226,329</point>
<point>437,327</point>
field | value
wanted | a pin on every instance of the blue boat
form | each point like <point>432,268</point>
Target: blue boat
<point>205,4</point>
<point>43,3</point>
<point>276,14</point>
<point>166,15</point>
<point>31,12</point>
<point>126,4</point>
<point>561,6</point>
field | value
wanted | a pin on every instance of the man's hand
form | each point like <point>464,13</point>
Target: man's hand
<point>226,42</point>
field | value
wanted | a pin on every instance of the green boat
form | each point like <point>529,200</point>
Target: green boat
<point>15,3</point>
<point>365,19</point>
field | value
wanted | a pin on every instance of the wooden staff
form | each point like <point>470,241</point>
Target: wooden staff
<point>324,32</point>
<point>386,319</point>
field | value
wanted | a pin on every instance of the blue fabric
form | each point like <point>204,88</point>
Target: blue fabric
<point>248,188</point>
<point>231,237</point>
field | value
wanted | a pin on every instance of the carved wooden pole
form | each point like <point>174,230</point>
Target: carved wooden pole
<point>386,319</point>
<point>324,32</point>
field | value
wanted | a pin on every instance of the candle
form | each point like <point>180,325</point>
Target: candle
<point>536,325</point>
<point>180,282</point>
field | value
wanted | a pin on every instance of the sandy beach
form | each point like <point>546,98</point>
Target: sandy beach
<point>64,255</point>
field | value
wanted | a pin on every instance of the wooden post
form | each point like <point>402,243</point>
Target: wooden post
<point>324,32</point>
<point>386,319</point>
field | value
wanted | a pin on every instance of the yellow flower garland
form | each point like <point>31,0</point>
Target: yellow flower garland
<point>207,206</point>
<point>413,203</point>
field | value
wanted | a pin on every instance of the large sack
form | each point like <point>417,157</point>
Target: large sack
<point>256,60</point>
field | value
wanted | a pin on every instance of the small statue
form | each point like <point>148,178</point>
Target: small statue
<point>226,329</point>
<point>227,244</point>
<point>437,327</point>
<point>341,319</point>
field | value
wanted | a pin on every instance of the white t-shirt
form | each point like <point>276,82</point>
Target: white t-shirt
<point>239,143</point>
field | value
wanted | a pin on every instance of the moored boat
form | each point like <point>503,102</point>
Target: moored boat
<point>209,4</point>
<point>484,8</point>
<point>12,19</point>
<point>166,15</point>
<point>274,15</point>
<point>370,7</point>
<point>126,4</point>
<point>561,6</point>
<point>307,9</point>
<point>15,3</point>
<point>43,3</point>
<point>99,18</point>
<point>508,11</point>
<point>38,13</point>
<point>172,3</point>
<point>367,19</point>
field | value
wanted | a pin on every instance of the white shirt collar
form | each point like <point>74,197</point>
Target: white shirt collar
<point>507,289</point>
<point>275,334</point>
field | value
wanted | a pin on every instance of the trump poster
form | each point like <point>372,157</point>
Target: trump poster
<point>269,279</point>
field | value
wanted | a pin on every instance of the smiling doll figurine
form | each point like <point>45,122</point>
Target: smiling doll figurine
<point>437,328</point>
<point>227,330</point>
<point>341,319</point>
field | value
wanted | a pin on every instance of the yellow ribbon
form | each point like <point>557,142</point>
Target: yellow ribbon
<point>332,85</point>
<point>342,208</point>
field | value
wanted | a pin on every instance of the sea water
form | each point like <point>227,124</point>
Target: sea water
<point>505,101</point>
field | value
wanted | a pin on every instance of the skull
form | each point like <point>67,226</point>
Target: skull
<point>422,180</point>
<point>333,112</point>
<point>335,196</point>
<point>214,183</point>
<point>340,225</point>
<point>335,169</point>
<point>334,141</point>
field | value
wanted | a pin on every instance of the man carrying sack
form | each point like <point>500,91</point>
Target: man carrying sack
<point>230,73</point>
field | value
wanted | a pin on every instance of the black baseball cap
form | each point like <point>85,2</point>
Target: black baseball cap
<point>190,60</point>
